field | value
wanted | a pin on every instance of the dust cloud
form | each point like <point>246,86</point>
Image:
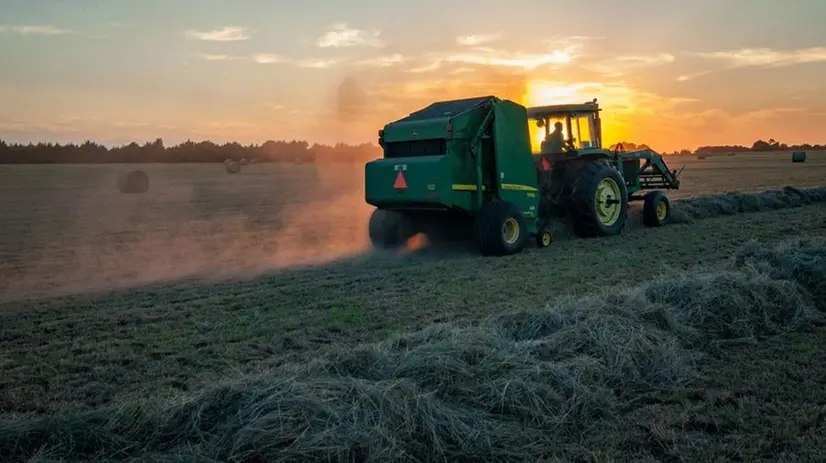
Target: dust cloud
<point>70,231</point>
<point>362,102</point>
<point>71,234</point>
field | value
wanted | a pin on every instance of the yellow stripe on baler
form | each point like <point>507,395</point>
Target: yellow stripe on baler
<point>505,186</point>
<point>515,187</point>
<point>458,187</point>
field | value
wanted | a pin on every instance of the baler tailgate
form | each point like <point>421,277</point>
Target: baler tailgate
<point>417,182</point>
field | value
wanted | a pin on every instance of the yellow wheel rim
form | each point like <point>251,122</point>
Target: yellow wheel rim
<point>510,230</point>
<point>546,239</point>
<point>662,210</point>
<point>608,190</point>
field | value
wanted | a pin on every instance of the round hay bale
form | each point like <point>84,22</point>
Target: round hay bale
<point>244,161</point>
<point>232,166</point>
<point>799,156</point>
<point>133,181</point>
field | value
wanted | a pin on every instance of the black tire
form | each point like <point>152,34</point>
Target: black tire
<point>584,204</point>
<point>656,209</point>
<point>388,229</point>
<point>489,233</point>
<point>544,238</point>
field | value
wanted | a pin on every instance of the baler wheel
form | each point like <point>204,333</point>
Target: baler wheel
<point>500,229</point>
<point>388,229</point>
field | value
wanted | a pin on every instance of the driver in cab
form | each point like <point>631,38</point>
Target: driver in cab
<point>553,143</point>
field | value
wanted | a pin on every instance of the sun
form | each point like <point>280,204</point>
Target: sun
<point>545,92</point>
<point>539,93</point>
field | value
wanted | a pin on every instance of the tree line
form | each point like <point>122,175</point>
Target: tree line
<point>758,146</point>
<point>295,151</point>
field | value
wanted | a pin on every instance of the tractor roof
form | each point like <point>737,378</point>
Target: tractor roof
<point>562,109</point>
<point>447,109</point>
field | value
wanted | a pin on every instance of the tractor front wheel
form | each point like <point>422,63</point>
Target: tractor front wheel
<point>389,229</point>
<point>599,201</point>
<point>656,209</point>
<point>500,229</point>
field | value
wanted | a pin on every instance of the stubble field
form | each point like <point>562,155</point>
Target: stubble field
<point>112,300</point>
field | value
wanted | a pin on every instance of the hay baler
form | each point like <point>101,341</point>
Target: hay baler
<point>465,168</point>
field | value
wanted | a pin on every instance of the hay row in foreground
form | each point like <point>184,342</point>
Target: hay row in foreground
<point>528,385</point>
<point>703,207</point>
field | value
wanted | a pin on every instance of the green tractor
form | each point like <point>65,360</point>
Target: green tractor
<point>465,169</point>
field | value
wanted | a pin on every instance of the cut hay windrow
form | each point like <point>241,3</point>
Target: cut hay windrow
<point>529,385</point>
<point>689,210</point>
<point>703,207</point>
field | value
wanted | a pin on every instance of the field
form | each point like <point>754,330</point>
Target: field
<point>250,294</point>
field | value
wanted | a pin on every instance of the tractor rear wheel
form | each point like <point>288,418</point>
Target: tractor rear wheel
<point>656,209</point>
<point>599,201</point>
<point>500,229</point>
<point>389,229</point>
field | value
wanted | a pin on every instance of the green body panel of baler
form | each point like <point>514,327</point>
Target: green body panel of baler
<point>428,181</point>
<point>515,168</point>
<point>439,168</point>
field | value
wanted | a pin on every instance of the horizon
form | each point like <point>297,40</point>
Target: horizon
<point>667,74</point>
<point>312,145</point>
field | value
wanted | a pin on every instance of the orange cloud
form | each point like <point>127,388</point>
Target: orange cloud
<point>768,57</point>
<point>620,65</point>
<point>477,39</point>
<point>754,57</point>
<point>494,57</point>
<point>384,60</point>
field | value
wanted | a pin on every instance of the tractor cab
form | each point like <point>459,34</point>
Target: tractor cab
<point>580,125</point>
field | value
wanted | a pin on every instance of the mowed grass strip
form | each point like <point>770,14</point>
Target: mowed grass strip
<point>67,229</point>
<point>86,351</point>
<point>554,382</point>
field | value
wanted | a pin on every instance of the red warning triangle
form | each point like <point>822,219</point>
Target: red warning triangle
<point>400,183</point>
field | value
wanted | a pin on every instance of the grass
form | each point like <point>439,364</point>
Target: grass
<point>747,172</point>
<point>198,219</point>
<point>534,384</point>
<point>123,347</point>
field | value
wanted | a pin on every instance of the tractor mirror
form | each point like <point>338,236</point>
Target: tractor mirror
<point>540,123</point>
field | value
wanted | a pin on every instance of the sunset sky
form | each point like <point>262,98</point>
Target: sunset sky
<point>673,74</point>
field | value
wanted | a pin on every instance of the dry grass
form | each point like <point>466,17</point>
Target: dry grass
<point>747,172</point>
<point>64,231</point>
<point>689,209</point>
<point>526,385</point>
<point>637,372</point>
